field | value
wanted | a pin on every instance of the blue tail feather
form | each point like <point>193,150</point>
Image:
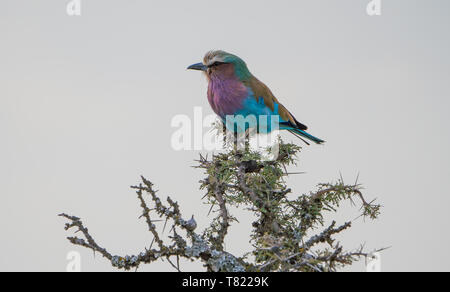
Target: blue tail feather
<point>306,135</point>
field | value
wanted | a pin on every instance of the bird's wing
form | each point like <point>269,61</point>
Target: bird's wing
<point>261,90</point>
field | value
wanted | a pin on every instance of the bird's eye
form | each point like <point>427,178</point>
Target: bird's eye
<point>215,64</point>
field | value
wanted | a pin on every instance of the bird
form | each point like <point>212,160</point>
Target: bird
<point>235,92</point>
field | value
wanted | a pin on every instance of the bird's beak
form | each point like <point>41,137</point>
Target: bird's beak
<point>198,66</point>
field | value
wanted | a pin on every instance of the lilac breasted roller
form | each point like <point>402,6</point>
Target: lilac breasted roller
<point>234,91</point>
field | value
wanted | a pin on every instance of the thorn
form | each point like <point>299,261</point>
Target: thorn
<point>356,181</point>
<point>210,209</point>
<point>151,244</point>
<point>165,223</point>
<point>289,173</point>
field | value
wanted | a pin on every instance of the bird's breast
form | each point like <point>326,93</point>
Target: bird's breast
<point>226,96</point>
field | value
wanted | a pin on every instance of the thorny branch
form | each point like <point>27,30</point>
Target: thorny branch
<point>325,236</point>
<point>90,243</point>
<point>284,237</point>
<point>224,214</point>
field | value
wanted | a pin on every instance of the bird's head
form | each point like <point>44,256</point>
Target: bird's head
<point>222,65</point>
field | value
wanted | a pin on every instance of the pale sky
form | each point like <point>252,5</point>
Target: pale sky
<point>86,104</point>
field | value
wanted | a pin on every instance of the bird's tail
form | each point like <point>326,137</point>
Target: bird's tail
<point>300,133</point>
